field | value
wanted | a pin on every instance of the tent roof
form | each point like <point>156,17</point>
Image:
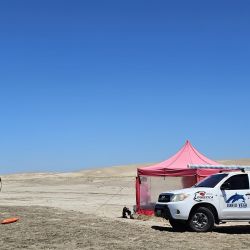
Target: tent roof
<point>178,162</point>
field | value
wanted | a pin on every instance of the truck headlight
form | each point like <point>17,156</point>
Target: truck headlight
<point>179,197</point>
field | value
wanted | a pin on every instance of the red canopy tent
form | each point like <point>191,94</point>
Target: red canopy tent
<point>152,180</point>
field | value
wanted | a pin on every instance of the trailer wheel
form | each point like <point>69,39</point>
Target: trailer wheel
<point>201,220</point>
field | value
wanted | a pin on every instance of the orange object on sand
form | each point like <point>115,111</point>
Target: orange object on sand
<point>9,220</point>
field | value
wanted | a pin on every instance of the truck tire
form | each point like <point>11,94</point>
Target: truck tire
<point>201,220</point>
<point>178,225</point>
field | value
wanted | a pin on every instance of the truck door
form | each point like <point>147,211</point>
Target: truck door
<point>235,197</point>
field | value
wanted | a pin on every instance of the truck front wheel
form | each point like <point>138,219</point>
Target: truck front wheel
<point>178,225</point>
<point>201,220</point>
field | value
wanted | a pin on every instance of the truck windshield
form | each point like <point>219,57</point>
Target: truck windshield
<point>211,181</point>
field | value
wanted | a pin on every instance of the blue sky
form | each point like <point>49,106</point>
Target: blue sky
<point>101,83</point>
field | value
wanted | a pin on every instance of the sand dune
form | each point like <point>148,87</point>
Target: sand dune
<point>245,162</point>
<point>113,171</point>
<point>102,191</point>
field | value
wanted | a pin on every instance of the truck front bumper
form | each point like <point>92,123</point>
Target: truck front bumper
<point>162,210</point>
<point>173,210</point>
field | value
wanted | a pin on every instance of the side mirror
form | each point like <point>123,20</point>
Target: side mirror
<point>225,186</point>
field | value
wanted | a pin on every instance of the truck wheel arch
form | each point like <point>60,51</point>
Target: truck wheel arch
<point>209,206</point>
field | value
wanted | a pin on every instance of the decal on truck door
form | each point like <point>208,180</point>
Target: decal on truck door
<point>202,196</point>
<point>236,200</point>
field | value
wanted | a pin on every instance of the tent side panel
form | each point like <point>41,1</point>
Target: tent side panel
<point>137,188</point>
<point>145,212</point>
<point>151,186</point>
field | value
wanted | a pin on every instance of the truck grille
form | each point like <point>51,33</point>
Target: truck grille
<point>165,197</point>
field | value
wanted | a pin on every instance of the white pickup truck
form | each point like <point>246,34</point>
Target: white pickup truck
<point>216,199</point>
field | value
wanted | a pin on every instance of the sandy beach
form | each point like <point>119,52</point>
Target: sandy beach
<point>82,210</point>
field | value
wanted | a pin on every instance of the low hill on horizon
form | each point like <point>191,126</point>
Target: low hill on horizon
<point>242,162</point>
<point>129,170</point>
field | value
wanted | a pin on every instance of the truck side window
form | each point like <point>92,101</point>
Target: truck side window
<point>239,181</point>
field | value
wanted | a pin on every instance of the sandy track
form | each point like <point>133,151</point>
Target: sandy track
<point>103,196</point>
<point>48,228</point>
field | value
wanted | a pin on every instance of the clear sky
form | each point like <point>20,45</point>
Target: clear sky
<point>101,83</point>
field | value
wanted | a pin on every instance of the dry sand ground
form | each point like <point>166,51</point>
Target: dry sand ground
<point>81,210</point>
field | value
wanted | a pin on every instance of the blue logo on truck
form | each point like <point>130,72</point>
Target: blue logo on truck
<point>236,200</point>
<point>236,197</point>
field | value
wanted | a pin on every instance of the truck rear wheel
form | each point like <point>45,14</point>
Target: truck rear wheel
<point>178,225</point>
<point>201,220</point>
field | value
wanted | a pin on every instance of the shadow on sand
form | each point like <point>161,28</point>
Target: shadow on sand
<point>243,229</point>
<point>166,229</point>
